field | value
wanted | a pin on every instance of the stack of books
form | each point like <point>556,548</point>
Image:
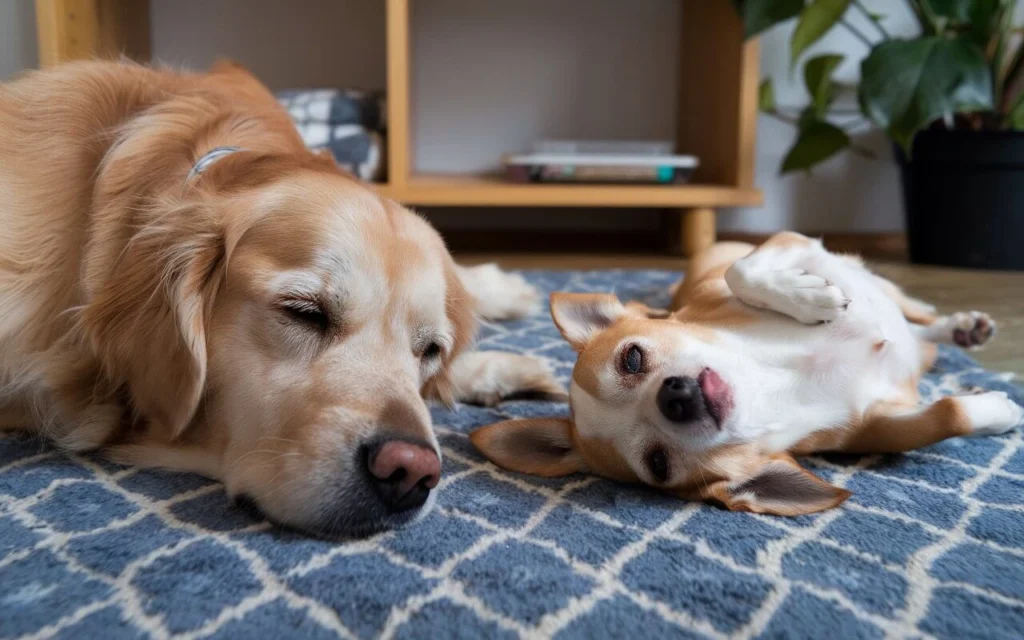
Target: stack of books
<point>572,161</point>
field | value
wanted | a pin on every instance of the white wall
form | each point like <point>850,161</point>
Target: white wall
<point>293,43</point>
<point>490,75</point>
<point>847,193</point>
<point>500,75</point>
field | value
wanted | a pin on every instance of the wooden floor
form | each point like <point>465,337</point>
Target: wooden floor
<point>999,294</point>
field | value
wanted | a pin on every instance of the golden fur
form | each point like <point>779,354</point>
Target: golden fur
<point>162,319</point>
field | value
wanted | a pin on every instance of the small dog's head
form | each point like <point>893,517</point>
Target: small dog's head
<point>656,401</point>
<point>278,334</point>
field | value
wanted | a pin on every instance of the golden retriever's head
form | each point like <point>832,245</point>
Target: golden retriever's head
<point>277,333</point>
<point>654,401</point>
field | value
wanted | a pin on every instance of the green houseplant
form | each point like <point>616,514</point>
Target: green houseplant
<point>951,101</point>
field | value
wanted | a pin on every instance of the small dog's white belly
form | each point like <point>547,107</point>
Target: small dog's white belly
<point>820,377</point>
<point>817,385</point>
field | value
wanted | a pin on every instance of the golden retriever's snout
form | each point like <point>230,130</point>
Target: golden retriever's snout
<point>403,473</point>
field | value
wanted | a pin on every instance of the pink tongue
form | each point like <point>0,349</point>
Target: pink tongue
<point>717,394</point>
<point>712,385</point>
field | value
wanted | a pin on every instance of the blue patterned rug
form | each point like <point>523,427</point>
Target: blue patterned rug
<point>931,544</point>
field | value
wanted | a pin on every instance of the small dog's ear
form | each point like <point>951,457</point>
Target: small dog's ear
<point>538,446</point>
<point>780,487</point>
<point>581,316</point>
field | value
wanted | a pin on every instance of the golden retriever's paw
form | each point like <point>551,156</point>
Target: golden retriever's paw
<point>92,429</point>
<point>499,295</point>
<point>489,377</point>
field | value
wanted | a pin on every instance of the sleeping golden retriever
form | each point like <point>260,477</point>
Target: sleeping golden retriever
<point>184,285</point>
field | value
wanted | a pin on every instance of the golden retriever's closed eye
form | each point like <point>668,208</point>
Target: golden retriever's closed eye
<point>265,320</point>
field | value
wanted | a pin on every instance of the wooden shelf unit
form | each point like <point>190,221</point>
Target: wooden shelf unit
<point>717,109</point>
<point>475,190</point>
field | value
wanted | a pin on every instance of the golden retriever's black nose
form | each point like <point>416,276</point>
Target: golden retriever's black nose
<point>680,399</point>
<point>403,473</point>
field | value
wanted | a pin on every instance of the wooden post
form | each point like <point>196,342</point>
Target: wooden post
<point>76,29</point>
<point>717,108</point>
<point>399,98</point>
<point>697,229</point>
<point>717,94</point>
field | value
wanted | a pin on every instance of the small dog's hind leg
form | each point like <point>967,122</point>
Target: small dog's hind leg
<point>896,427</point>
<point>967,329</point>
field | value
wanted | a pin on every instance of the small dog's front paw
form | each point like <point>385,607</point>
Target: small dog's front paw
<point>971,329</point>
<point>499,295</point>
<point>807,298</point>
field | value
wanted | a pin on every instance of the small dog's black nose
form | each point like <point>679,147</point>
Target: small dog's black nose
<point>680,399</point>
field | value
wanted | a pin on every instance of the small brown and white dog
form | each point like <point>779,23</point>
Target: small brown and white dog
<point>185,285</point>
<point>769,352</point>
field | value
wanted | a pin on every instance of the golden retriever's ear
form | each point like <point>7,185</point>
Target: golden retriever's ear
<point>780,487</point>
<point>538,446</point>
<point>441,388</point>
<point>147,319</point>
<point>581,316</point>
<point>459,309</point>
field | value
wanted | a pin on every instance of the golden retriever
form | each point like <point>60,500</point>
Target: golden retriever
<point>251,314</point>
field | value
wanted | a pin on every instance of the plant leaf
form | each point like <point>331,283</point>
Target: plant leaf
<point>807,118</point>
<point>977,16</point>
<point>1015,119</point>
<point>766,96</point>
<point>817,141</point>
<point>815,21</point>
<point>818,80</point>
<point>963,11</point>
<point>759,15</point>
<point>906,84</point>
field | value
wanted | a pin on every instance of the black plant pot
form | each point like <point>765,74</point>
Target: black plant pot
<point>963,195</point>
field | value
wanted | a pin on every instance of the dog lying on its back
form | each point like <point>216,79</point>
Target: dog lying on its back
<point>185,285</point>
<point>768,352</point>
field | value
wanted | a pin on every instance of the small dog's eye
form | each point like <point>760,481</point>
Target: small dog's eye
<point>633,360</point>
<point>432,351</point>
<point>307,313</point>
<point>657,463</point>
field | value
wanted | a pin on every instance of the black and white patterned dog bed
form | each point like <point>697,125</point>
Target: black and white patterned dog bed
<point>350,124</point>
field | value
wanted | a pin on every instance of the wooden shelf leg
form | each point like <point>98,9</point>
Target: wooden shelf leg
<point>697,230</point>
<point>76,29</point>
